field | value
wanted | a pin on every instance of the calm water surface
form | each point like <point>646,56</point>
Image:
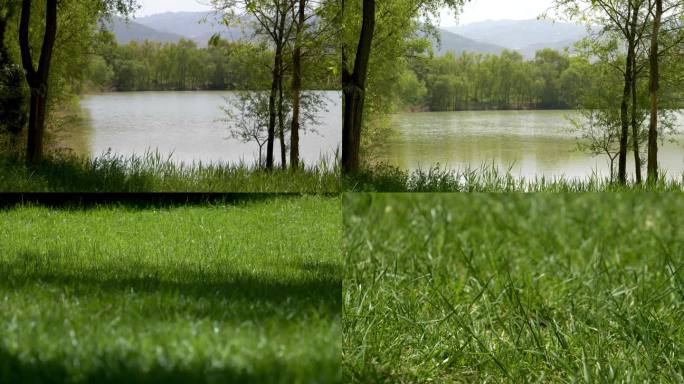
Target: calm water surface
<point>536,143</point>
<point>187,125</point>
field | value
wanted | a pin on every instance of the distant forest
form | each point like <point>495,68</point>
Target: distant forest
<point>476,81</point>
<point>183,66</point>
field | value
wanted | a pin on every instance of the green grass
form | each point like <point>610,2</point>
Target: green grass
<point>152,173</point>
<point>549,288</point>
<point>242,293</point>
<point>487,178</point>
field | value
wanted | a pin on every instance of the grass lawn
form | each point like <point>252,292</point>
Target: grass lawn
<point>236,293</point>
<point>514,288</point>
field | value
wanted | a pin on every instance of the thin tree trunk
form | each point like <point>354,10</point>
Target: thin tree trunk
<point>624,118</point>
<point>354,88</point>
<point>635,124</point>
<point>37,79</point>
<point>654,79</point>
<point>296,87</point>
<point>281,124</point>
<point>278,35</point>
<point>272,114</point>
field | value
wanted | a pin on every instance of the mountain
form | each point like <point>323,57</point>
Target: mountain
<point>127,31</point>
<point>197,26</point>
<point>173,26</point>
<point>454,43</point>
<point>525,36</point>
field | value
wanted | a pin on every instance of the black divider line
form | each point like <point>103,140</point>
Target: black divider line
<point>89,199</point>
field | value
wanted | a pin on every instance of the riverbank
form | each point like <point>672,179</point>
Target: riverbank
<point>513,288</point>
<point>223,293</point>
<point>152,173</point>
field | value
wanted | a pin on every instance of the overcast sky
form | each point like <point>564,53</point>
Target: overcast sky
<point>480,10</point>
<point>150,7</point>
<point>475,10</point>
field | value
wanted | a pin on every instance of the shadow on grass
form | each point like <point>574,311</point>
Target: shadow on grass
<point>322,291</point>
<point>115,370</point>
<point>81,201</point>
<point>322,268</point>
<point>220,295</point>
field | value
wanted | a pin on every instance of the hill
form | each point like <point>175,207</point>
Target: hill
<point>127,31</point>
<point>525,36</point>
<point>457,44</point>
<point>197,26</point>
<point>172,26</point>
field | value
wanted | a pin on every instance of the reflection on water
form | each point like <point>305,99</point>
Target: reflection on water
<point>536,143</point>
<point>187,125</point>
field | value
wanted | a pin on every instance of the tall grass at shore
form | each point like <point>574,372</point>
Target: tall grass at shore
<point>488,178</point>
<point>151,172</point>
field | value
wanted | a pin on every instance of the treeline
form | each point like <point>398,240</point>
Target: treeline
<point>474,81</point>
<point>155,66</point>
<point>183,66</point>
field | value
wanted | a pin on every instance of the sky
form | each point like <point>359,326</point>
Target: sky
<point>475,10</point>
<point>150,7</point>
<point>480,10</point>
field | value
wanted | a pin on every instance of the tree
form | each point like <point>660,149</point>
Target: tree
<point>314,24</point>
<point>273,21</point>
<point>297,79</point>
<point>37,77</point>
<point>248,119</point>
<point>397,21</point>
<point>12,93</point>
<point>654,78</point>
<point>353,88</point>
<point>629,19</point>
<point>247,116</point>
<point>550,65</point>
<point>599,134</point>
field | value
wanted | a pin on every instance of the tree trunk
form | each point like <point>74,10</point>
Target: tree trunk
<point>272,114</point>
<point>354,87</point>
<point>624,105</point>
<point>296,87</point>
<point>281,124</point>
<point>37,79</point>
<point>624,119</point>
<point>635,124</point>
<point>37,113</point>
<point>3,28</point>
<point>654,79</point>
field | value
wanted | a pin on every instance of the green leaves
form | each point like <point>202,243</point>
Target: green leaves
<point>215,40</point>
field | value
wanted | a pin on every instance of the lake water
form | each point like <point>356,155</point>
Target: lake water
<point>187,125</point>
<point>536,143</point>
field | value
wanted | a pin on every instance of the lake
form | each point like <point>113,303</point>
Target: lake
<point>536,143</point>
<point>188,126</point>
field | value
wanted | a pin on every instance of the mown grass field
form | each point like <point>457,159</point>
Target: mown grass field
<point>226,293</point>
<point>558,288</point>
